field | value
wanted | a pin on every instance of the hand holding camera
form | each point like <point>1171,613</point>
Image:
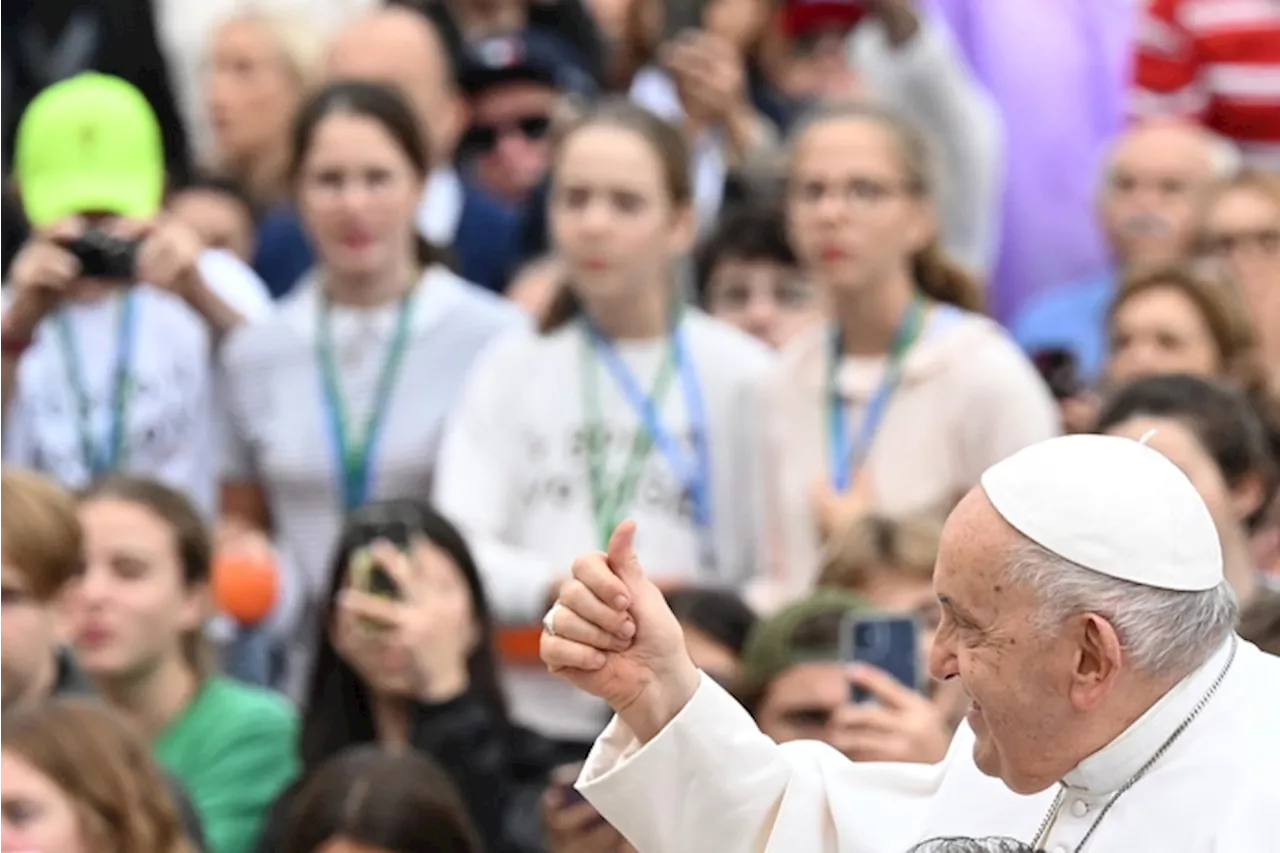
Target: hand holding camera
<point>42,275</point>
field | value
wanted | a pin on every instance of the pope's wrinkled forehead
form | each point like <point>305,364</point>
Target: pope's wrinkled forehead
<point>974,550</point>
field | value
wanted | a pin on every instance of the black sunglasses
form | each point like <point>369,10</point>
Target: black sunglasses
<point>483,138</point>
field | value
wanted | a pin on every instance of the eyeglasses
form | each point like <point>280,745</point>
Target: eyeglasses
<point>1264,240</point>
<point>858,192</point>
<point>483,138</point>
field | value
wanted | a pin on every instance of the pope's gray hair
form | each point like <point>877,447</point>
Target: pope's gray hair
<point>1163,632</point>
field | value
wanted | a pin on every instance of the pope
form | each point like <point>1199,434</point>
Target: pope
<point>1113,707</point>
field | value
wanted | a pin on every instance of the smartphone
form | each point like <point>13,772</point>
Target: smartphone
<point>371,524</point>
<point>889,642</point>
<point>1060,370</point>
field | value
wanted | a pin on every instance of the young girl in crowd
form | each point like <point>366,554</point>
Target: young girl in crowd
<point>904,398</point>
<point>746,275</point>
<point>77,779</point>
<point>627,405</point>
<point>340,397</point>
<point>136,617</point>
<point>418,670</point>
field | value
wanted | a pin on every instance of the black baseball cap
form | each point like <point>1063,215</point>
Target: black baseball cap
<point>533,55</point>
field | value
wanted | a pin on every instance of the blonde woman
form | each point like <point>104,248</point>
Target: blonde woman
<point>260,68</point>
<point>75,778</point>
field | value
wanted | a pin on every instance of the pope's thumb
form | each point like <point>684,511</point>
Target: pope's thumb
<point>622,553</point>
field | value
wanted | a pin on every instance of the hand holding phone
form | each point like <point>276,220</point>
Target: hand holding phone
<point>373,524</point>
<point>888,642</point>
<point>900,724</point>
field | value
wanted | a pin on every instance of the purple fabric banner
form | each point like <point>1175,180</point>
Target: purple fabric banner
<point>1060,71</point>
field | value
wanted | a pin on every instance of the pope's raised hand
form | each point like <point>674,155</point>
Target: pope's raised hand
<point>611,634</point>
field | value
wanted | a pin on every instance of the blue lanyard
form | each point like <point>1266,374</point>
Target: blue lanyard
<point>849,452</point>
<point>693,469</point>
<point>101,460</point>
<point>354,454</point>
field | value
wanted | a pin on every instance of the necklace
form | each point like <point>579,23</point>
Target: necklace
<point>1047,823</point>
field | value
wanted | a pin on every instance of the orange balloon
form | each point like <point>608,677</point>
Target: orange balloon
<point>245,586</point>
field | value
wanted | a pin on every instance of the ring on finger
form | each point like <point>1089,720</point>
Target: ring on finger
<point>549,620</point>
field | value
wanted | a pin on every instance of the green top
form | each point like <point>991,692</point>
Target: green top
<point>235,750</point>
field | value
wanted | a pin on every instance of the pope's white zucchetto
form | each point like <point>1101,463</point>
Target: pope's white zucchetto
<point>1112,505</point>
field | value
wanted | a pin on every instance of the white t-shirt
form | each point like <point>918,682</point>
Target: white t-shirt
<point>513,474</point>
<point>173,415</point>
<point>280,430</point>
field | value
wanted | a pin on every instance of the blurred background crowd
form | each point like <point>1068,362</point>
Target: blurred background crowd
<point>334,330</point>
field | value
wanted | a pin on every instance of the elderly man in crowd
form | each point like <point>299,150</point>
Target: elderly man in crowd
<point>1146,206</point>
<point>1085,613</point>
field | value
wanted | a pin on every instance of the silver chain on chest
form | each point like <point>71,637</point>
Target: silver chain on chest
<point>1047,823</point>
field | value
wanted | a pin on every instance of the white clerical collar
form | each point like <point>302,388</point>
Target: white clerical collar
<point>440,210</point>
<point>1113,765</point>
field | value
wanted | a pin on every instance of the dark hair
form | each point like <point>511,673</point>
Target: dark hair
<point>720,614</point>
<point>376,102</point>
<point>748,233</point>
<point>339,712</point>
<point>222,185</point>
<point>1220,416</point>
<point>937,276</point>
<point>667,143</point>
<point>972,845</point>
<point>191,536</point>
<point>1260,622</point>
<point>401,802</point>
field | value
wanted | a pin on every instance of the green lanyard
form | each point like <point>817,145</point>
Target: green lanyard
<point>849,451</point>
<point>354,453</point>
<point>111,456</point>
<point>609,503</point>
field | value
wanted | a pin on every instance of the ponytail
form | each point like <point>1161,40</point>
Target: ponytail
<point>943,280</point>
<point>563,308</point>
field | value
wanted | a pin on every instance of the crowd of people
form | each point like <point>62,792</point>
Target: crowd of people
<point>335,330</point>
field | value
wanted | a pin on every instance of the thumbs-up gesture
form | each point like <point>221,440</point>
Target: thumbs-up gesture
<point>611,634</point>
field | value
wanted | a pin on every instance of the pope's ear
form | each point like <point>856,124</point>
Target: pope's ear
<point>1098,660</point>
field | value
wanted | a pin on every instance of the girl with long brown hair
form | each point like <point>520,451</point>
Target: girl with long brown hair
<point>136,618</point>
<point>907,394</point>
<point>629,404</point>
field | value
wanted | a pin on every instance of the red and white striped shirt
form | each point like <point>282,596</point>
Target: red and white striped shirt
<point>1217,61</point>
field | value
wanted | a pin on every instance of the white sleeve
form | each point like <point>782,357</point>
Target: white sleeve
<point>929,82</point>
<point>18,447</point>
<point>474,488</point>
<point>235,283</point>
<point>711,780</point>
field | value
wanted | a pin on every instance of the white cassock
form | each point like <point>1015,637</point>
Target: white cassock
<point>711,782</point>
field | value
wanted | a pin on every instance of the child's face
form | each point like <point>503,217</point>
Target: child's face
<point>221,221</point>
<point>761,297</point>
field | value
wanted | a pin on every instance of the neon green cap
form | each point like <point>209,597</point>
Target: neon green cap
<point>89,144</point>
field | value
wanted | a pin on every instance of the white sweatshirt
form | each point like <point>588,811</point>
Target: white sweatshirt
<point>513,474</point>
